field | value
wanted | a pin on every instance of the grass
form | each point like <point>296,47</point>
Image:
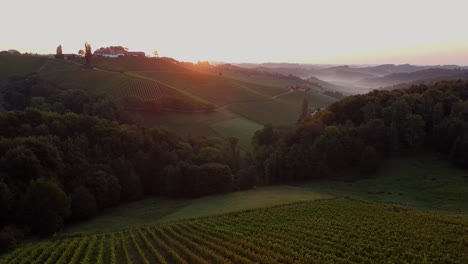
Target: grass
<point>185,124</point>
<point>422,182</point>
<point>72,76</point>
<point>315,99</point>
<point>157,209</point>
<point>324,231</point>
<point>275,112</point>
<point>11,65</point>
<point>240,128</point>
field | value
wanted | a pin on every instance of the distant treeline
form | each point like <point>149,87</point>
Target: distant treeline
<point>66,155</point>
<point>360,130</point>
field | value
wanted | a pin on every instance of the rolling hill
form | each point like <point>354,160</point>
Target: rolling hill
<point>11,65</point>
<point>427,75</point>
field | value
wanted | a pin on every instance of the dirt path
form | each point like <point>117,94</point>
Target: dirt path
<point>288,92</point>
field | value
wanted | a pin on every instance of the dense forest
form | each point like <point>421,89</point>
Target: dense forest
<point>360,130</point>
<point>66,155</point>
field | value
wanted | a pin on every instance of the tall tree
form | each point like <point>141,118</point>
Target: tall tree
<point>305,110</point>
<point>59,54</point>
<point>88,56</point>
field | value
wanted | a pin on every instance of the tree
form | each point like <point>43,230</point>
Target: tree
<point>83,204</point>
<point>305,110</point>
<point>105,188</point>
<point>59,54</point>
<point>265,136</point>
<point>155,53</point>
<point>212,178</point>
<point>46,206</point>
<point>414,130</point>
<point>81,52</point>
<point>22,164</point>
<point>5,202</point>
<point>369,161</point>
<point>88,56</point>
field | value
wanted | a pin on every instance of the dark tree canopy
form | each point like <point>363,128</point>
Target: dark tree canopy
<point>88,56</point>
<point>59,54</point>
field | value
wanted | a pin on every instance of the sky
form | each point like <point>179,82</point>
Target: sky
<point>314,31</point>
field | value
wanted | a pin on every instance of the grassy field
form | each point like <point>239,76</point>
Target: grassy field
<point>185,124</point>
<point>423,183</point>
<point>275,112</point>
<point>326,231</point>
<point>315,99</point>
<point>72,76</point>
<point>241,128</point>
<point>18,65</point>
<point>157,209</point>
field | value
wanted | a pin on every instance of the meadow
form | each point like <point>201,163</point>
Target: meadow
<point>185,124</point>
<point>324,231</point>
<point>11,65</point>
<point>241,128</point>
<point>420,182</point>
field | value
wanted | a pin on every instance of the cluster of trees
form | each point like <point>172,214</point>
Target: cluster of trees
<point>111,50</point>
<point>65,155</point>
<point>358,131</point>
<point>56,168</point>
<point>21,92</point>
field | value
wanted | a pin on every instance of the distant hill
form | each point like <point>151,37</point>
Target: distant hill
<point>427,75</point>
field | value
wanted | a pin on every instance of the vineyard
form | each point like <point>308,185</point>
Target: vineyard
<point>141,88</point>
<point>326,231</point>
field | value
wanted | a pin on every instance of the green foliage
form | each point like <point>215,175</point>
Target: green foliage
<point>83,204</point>
<point>105,188</point>
<point>21,164</point>
<point>46,206</point>
<point>88,56</point>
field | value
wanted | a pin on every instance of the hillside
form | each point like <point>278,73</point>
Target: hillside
<point>428,76</point>
<point>298,233</point>
<point>11,65</point>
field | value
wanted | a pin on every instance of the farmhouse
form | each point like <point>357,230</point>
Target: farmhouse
<point>136,54</point>
<point>302,88</point>
<point>108,53</point>
<point>69,56</point>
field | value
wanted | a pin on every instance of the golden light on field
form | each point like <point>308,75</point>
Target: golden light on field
<point>328,31</point>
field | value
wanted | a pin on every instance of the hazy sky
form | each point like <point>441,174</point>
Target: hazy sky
<point>328,31</point>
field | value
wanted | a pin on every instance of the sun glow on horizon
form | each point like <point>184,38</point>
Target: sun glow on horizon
<point>350,32</point>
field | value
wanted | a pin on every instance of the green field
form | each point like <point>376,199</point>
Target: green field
<point>423,182</point>
<point>326,231</point>
<point>241,128</point>
<point>11,65</point>
<point>275,112</point>
<point>185,124</point>
<point>158,209</point>
<point>72,76</point>
<point>403,181</point>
